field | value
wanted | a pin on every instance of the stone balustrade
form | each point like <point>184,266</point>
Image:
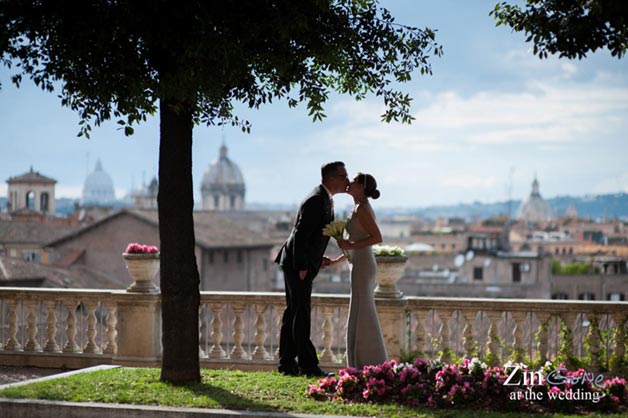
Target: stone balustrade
<point>77,328</point>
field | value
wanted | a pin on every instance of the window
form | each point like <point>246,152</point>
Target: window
<point>453,246</point>
<point>240,257</point>
<point>216,201</point>
<point>232,200</point>
<point>616,297</point>
<point>43,202</point>
<point>586,296</point>
<point>478,273</point>
<point>30,200</point>
<point>225,256</point>
<point>210,257</point>
<point>560,296</point>
<point>516,272</point>
<point>30,256</point>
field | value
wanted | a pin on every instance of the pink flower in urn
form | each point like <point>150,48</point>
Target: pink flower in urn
<point>135,248</point>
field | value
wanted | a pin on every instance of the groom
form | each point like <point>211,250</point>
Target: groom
<point>300,258</point>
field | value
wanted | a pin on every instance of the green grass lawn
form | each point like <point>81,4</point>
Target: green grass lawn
<point>229,389</point>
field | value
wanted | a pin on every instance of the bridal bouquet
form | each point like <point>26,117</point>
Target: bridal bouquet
<point>336,229</point>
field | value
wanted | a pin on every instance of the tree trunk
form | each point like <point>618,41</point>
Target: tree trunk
<point>180,294</point>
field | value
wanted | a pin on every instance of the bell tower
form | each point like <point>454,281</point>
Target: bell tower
<point>33,192</point>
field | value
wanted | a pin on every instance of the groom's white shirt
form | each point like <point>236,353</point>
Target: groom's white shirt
<point>331,197</point>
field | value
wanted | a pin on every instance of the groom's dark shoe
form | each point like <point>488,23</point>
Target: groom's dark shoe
<point>288,370</point>
<point>316,372</point>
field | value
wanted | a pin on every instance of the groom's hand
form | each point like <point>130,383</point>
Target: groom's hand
<point>302,274</point>
<point>326,262</point>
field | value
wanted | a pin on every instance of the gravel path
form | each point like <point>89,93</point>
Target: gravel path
<point>11,374</point>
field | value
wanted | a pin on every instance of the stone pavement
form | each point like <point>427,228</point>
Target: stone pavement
<point>13,374</point>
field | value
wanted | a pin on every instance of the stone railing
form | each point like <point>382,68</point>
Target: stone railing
<point>78,328</point>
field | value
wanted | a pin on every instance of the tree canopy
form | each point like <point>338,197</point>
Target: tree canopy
<point>191,61</point>
<point>116,59</point>
<point>570,28</point>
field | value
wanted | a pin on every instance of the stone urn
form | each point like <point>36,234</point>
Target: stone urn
<point>142,268</point>
<point>389,271</point>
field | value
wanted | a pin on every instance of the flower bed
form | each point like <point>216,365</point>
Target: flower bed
<point>473,385</point>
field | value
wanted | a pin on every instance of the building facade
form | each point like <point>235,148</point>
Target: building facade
<point>229,257</point>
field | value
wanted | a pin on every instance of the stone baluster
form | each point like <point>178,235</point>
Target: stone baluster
<point>470,347</point>
<point>71,346</point>
<point>260,352</point>
<point>543,318</point>
<point>342,357</point>
<point>493,337</point>
<point>31,319</point>
<point>91,346</point>
<point>12,343</point>
<point>112,332</point>
<point>567,348</point>
<point>216,350</point>
<point>238,352</point>
<point>51,327</point>
<point>445,334</point>
<point>593,338</point>
<point>280,311</point>
<point>519,348</point>
<point>201,352</point>
<point>620,336</point>
<point>328,335</point>
<point>419,332</point>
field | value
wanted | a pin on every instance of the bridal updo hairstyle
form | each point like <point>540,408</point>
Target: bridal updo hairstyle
<point>369,183</point>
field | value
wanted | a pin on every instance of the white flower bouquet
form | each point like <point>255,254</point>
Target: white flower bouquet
<point>336,230</point>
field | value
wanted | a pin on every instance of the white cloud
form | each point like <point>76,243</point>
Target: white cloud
<point>72,192</point>
<point>545,113</point>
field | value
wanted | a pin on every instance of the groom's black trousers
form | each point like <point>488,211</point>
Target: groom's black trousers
<point>295,340</point>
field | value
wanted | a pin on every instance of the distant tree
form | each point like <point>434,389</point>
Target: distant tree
<point>191,61</point>
<point>570,28</point>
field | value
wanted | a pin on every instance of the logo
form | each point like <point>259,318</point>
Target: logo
<point>563,384</point>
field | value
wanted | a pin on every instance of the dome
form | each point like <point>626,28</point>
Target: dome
<point>98,188</point>
<point>535,209</point>
<point>223,175</point>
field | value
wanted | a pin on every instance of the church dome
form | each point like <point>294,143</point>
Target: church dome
<point>535,209</point>
<point>98,188</point>
<point>223,175</point>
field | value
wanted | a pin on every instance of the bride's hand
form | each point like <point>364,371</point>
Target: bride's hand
<point>344,245</point>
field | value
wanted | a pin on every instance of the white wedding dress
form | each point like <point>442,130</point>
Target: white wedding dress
<point>365,343</point>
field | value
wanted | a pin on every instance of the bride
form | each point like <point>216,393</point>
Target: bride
<point>365,343</point>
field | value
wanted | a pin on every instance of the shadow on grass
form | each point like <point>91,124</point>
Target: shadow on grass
<point>227,399</point>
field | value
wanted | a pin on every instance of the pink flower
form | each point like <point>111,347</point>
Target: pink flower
<point>135,248</point>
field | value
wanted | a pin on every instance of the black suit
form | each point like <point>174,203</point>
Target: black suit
<point>303,250</point>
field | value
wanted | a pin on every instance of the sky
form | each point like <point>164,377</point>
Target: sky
<point>490,118</point>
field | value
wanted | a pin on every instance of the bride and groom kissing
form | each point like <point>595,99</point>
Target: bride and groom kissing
<point>302,256</point>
